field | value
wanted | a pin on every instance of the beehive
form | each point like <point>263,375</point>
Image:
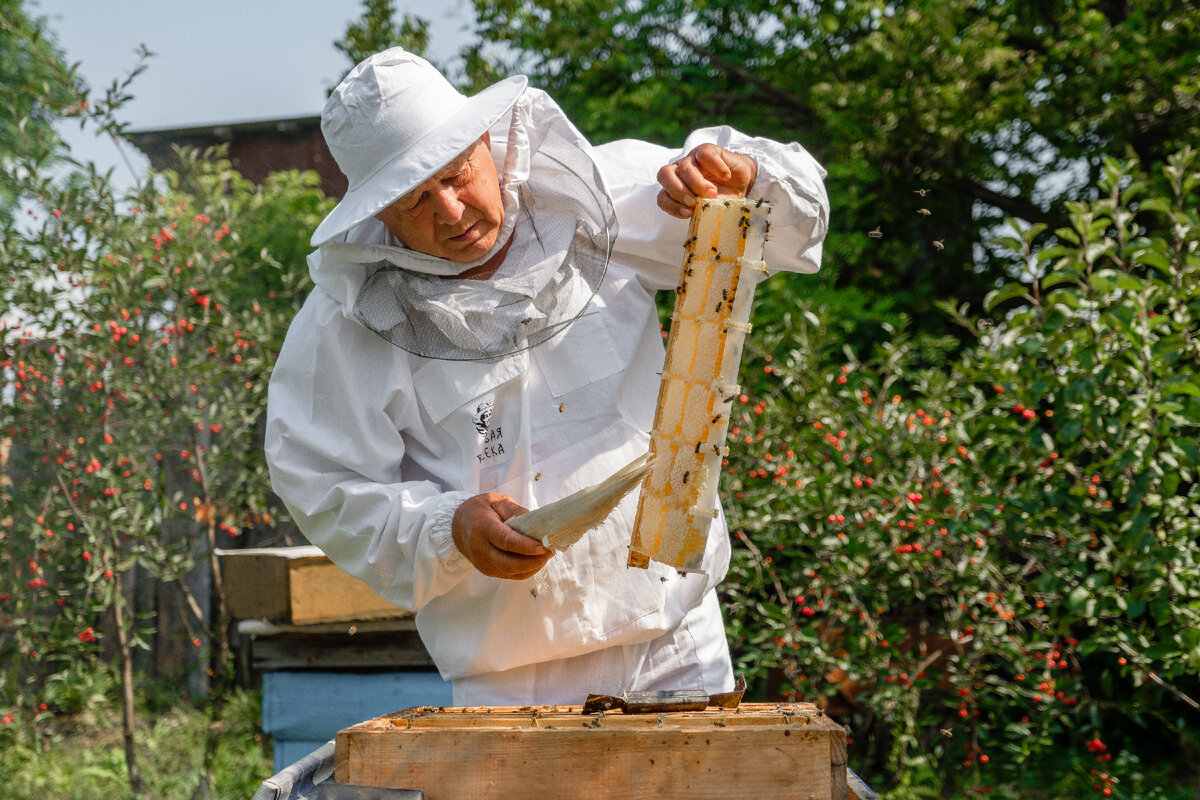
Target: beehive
<point>778,751</point>
<point>721,269</point>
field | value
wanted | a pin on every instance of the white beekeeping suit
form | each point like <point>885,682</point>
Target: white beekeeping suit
<point>400,393</point>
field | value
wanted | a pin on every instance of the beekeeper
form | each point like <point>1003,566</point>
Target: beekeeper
<point>482,339</point>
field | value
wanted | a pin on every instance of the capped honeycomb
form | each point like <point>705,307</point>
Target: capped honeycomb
<point>721,269</point>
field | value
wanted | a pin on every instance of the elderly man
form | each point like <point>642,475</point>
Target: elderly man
<point>483,339</point>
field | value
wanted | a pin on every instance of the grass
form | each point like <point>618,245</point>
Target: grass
<point>82,756</point>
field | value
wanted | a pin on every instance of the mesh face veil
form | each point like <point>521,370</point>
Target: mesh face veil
<point>562,224</point>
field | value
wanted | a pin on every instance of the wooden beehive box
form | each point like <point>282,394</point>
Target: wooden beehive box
<point>297,586</point>
<point>759,750</point>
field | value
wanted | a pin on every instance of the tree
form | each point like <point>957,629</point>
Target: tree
<point>937,119</point>
<point>377,30</point>
<point>137,332</point>
<point>993,561</point>
<point>35,87</point>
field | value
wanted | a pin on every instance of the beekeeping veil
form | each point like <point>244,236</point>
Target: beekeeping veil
<point>393,122</point>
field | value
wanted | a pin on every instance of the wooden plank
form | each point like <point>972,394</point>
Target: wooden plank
<point>758,750</point>
<point>837,766</point>
<point>321,592</point>
<point>340,651</point>
<point>297,586</point>
<point>255,585</point>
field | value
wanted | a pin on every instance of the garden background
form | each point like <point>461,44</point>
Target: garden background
<point>963,477</point>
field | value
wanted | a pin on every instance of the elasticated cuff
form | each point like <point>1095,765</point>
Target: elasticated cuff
<point>442,531</point>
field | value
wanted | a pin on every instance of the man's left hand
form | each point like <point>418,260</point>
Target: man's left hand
<point>706,172</point>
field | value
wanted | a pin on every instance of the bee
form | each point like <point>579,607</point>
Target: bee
<point>686,473</point>
<point>537,477</point>
<point>353,630</point>
<point>561,406</point>
<point>877,233</point>
<point>527,320</point>
<point>925,212</point>
<point>921,192</point>
<point>715,420</point>
<point>698,446</point>
<point>939,245</point>
<point>718,308</point>
<point>759,203</point>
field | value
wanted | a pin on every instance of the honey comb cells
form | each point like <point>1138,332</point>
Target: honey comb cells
<point>721,269</point>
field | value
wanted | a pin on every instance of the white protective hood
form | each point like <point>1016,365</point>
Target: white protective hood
<point>551,272</point>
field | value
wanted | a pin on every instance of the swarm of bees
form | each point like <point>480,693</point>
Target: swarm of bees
<point>938,244</point>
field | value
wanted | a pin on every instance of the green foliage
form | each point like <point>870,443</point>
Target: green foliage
<point>122,311</point>
<point>36,87</point>
<point>993,110</point>
<point>137,333</point>
<point>78,755</point>
<point>989,558</point>
<point>376,30</point>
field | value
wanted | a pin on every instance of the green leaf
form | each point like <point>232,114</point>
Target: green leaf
<point>1180,385</point>
<point>1059,277</point>
<point>1004,293</point>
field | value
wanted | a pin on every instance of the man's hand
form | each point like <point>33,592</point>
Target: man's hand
<point>706,172</point>
<point>495,549</point>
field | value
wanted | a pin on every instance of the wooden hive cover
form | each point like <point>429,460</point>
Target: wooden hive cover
<point>759,750</point>
<point>297,586</point>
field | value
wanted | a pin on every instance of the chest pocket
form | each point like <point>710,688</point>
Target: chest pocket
<point>582,355</point>
<point>480,405</point>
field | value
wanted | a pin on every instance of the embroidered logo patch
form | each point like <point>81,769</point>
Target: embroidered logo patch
<point>483,415</point>
<point>492,445</point>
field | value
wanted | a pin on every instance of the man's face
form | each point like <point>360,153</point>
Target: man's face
<point>457,213</point>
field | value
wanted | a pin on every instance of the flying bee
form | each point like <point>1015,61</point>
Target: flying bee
<point>939,245</point>
<point>924,212</point>
<point>877,233</point>
<point>921,192</point>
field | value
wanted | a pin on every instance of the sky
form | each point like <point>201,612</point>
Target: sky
<point>219,61</point>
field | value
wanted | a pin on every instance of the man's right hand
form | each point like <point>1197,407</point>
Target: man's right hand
<point>494,548</point>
